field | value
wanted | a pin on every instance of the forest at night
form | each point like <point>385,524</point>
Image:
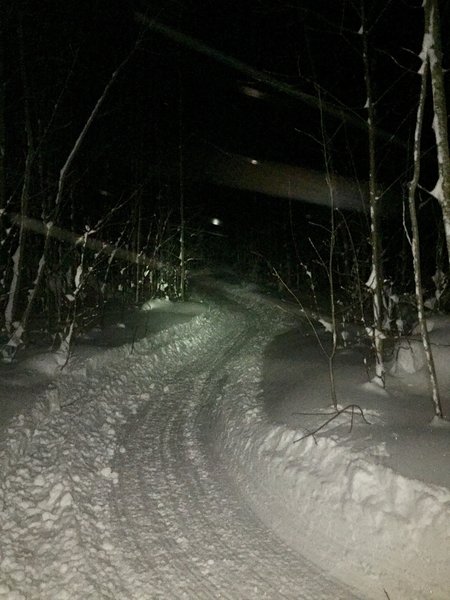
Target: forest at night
<point>124,125</point>
<point>224,300</point>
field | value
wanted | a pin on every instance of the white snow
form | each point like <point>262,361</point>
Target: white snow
<point>157,304</point>
<point>438,191</point>
<point>194,464</point>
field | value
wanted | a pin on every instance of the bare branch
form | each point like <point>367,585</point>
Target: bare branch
<point>336,414</point>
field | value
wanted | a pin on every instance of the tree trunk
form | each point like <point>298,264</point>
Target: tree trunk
<point>182,257</point>
<point>433,51</point>
<point>12,307</point>
<point>416,244</point>
<point>376,279</point>
<point>2,127</point>
<point>138,250</point>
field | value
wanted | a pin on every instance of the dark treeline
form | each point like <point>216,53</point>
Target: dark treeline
<point>117,176</point>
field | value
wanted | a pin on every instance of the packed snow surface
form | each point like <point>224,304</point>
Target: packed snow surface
<point>192,463</point>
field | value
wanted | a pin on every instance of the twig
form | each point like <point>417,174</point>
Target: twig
<point>336,414</point>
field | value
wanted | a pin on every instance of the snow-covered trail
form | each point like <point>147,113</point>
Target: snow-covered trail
<point>175,503</point>
<point>123,492</point>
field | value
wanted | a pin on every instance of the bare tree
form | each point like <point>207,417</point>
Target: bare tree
<point>415,245</point>
<point>432,52</point>
<point>182,256</point>
<point>16,333</point>
<point>18,258</point>
<point>375,282</point>
<point>2,124</point>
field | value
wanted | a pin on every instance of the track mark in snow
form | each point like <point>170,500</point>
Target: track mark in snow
<point>192,535</point>
<point>120,494</point>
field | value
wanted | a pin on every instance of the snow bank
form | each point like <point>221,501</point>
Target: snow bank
<point>409,355</point>
<point>165,305</point>
<point>373,528</point>
<point>370,526</point>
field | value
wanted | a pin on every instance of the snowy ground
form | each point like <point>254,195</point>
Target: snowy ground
<point>166,467</point>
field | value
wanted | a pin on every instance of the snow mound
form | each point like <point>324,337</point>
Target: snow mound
<point>409,355</point>
<point>157,304</point>
<point>182,308</point>
<point>374,528</point>
<point>339,506</point>
<point>47,363</point>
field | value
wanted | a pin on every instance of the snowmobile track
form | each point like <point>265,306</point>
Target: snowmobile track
<point>191,532</point>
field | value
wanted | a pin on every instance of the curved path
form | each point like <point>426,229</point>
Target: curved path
<point>176,512</point>
<point>126,480</point>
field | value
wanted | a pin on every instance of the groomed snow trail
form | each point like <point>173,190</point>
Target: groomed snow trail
<point>210,544</point>
<point>123,493</point>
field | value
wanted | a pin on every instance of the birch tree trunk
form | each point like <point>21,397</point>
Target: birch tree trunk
<point>432,49</point>
<point>376,278</point>
<point>415,239</point>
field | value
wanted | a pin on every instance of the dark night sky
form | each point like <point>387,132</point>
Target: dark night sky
<point>300,43</point>
<point>71,49</point>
